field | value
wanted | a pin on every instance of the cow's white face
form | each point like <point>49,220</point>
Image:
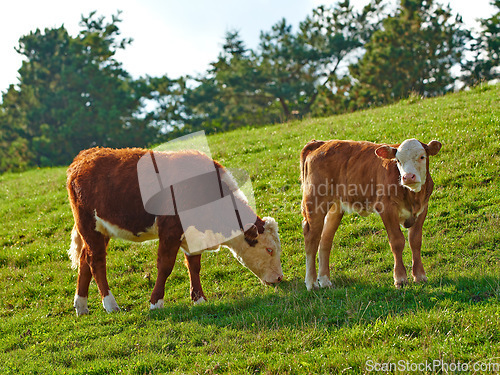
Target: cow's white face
<point>263,259</point>
<point>411,157</point>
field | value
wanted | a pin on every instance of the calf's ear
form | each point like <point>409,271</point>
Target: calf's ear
<point>433,147</point>
<point>386,152</point>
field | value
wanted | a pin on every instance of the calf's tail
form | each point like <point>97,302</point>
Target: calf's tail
<point>75,249</point>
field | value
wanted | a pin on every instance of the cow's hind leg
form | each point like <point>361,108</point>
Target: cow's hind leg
<point>77,253</point>
<point>193,263</point>
<point>332,222</point>
<point>82,286</point>
<point>95,244</point>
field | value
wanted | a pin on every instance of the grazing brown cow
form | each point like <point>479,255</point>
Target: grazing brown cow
<point>105,196</point>
<point>363,177</point>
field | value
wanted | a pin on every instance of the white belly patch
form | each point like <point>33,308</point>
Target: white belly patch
<point>112,230</point>
<point>357,208</point>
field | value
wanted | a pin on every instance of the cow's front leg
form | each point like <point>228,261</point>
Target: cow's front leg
<point>167,252</point>
<point>397,242</point>
<point>193,263</point>
<point>415,239</point>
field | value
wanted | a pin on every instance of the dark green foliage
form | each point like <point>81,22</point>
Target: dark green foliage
<point>73,95</point>
<point>289,75</point>
<point>485,48</point>
<point>413,53</point>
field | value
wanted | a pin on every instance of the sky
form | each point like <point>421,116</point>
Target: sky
<point>171,37</point>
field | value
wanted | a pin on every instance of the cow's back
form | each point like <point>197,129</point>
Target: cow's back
<point>104,182</point>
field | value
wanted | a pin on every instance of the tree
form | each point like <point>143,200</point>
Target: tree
<point>485,49</point>
<point>413,52</point>
<point>73,94</point>
<point>230,95</point>
<point>337,36</point>
<point>14,148</point>
<point>299,68</point>
<point>283,78</point>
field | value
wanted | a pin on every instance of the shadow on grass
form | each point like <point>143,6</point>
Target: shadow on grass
<point>347,303</point>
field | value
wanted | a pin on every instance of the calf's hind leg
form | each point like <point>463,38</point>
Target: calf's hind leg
<point>312,227</point>
<point>332,222</point>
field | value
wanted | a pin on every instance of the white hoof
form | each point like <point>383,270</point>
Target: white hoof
<point>80,305</point>
<point>200,300</point>
<point>109,303</point>
<point>310,285</point>
<point>400,283</point>
<point>420,279</point>
<point>324,282</point>
<point>157,305</point>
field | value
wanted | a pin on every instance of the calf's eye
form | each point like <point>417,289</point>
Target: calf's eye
<point>269,250</point>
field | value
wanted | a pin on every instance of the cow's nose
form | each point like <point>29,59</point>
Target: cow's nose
<point>409,178</point>
<point>280,278</point>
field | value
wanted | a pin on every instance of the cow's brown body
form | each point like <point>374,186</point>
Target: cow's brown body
<point>348,176</point>
<point>106,202</point>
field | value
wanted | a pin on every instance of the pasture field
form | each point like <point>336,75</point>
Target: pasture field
<point>361,324</point>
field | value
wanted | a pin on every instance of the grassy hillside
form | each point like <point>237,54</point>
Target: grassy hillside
<point>246,327</point>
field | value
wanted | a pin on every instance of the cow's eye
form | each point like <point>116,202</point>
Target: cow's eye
<point>269,250</point>
<point>422,157</point>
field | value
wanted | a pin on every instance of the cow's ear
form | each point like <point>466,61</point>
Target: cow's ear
<point>251,232</point>
<point>433,147</point>
<point>386,152</point>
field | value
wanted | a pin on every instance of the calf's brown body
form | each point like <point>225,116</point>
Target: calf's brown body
<point>347,176</point>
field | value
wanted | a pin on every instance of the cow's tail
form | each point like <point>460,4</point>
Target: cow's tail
<point>75,250</point>
<point>308,148</point>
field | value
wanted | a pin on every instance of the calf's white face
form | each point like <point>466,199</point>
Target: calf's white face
<point>411,157</point>
<point>263,259</point>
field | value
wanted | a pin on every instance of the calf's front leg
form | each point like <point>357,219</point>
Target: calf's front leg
<point>415,239</point>
<point>397,242</point>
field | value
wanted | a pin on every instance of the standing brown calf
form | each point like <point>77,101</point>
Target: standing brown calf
<point>363,177</point>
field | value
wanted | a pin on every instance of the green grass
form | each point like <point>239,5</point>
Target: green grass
<point>246,327</point>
